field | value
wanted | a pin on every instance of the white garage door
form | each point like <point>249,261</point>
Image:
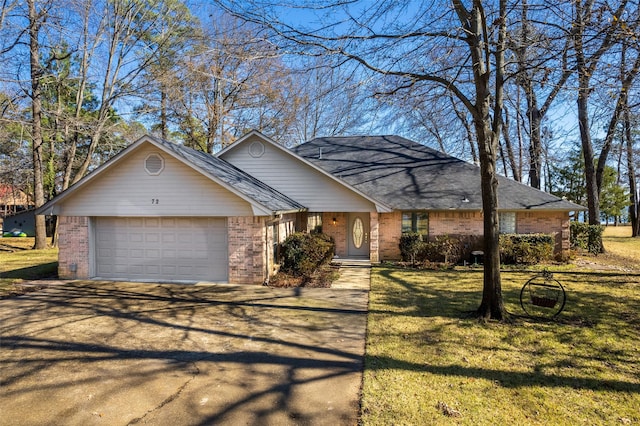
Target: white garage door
<point>161,249</point>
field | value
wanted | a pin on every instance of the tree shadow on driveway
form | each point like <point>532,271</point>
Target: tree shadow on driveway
<point>126,353</point>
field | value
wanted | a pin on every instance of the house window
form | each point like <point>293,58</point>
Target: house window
<point>276,243</point>
<point>314,222</point>
<point>415,222</point>
<point>507,222</point>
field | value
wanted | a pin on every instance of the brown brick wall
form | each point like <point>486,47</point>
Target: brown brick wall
<point>73,243</point>
<point>455,223</point>
<point>337,231</point>
<point>247,255</point>
<point>555,223</point>
<point>390,229</point>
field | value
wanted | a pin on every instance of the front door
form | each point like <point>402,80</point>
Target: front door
<point>358,235</point>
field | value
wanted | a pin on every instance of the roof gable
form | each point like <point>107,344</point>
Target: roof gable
<point>409,176</point>
<point>263,199</point>
<point>297,177</point>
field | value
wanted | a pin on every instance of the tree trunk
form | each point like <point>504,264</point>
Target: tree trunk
<point>468,129</point>
<point>36,125</point>
<point>634,203</point>
<point>593,203</point>
<point>492,305</point>
<point>487,133</point>
<point>584,72</point>
<point>535,140</point>
<point>509,147</point>
<point>163,112</point>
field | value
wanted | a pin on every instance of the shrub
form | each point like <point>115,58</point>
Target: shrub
<point>302,253</point>
<point>586,237</point>
<point>412,246</point>
<point>443,249</point>
<point>525,248</point>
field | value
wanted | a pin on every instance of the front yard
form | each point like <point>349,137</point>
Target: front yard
<point>428,363</point>
<point>18,263</point>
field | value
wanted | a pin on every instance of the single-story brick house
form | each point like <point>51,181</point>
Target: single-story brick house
<point>158,211</point>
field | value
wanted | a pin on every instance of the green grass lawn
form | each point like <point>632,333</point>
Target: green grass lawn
<point>19,263</point>
<point>427,362</point>
<point>617,242</point>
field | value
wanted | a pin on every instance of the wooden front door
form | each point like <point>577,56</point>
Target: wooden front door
<point>358,235</point>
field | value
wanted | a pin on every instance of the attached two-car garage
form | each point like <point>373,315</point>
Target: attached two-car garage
<point>161,248</point>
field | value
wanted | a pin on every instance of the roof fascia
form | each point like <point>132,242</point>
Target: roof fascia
<point>380,206</point>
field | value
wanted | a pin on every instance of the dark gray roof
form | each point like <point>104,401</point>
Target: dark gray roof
<point>246,184</point>
<point>409,176</point>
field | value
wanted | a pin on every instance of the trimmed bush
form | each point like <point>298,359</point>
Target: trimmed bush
<point>444,249</point>
<point>301,253</point>
<point>586,237</point>
<point>412,247</point>
<point>525,248</point>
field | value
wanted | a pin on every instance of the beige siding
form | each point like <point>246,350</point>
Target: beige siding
<point>297,180</point>
<point>126,189</point>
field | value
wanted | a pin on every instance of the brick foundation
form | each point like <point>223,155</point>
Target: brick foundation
<point>73,243</point>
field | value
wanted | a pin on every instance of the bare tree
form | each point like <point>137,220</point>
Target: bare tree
<point>541,49</point>
<point>626,79</point>
<point>231,81</point>
<point>118,45</point>
<point>460,48</point>
<point>330,100</point>
<point>588,55</point>
<point>37,15</point>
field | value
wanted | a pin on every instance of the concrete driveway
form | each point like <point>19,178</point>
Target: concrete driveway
<point>104,353</point>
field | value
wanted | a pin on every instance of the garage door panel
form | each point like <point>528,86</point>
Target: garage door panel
<point>153,237</point>
<point>162,249</point>
<point>152,269</point>
<point>169,270</point>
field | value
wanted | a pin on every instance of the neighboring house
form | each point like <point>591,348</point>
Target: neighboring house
<point>12,200</point>
<point>158,211</point>
<point>23,223</point>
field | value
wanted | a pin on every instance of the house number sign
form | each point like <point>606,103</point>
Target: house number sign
<point>155,201</point>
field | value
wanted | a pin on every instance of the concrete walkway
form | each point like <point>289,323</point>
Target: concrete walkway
<point>355,274</point>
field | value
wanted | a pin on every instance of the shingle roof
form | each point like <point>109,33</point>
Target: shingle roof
<point>246,184</point>
<point>409,176</point>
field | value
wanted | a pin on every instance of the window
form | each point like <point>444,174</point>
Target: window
<point>507,222</point>
<point>415,222</point>
<point>314,222</point>
<point>276,242</point>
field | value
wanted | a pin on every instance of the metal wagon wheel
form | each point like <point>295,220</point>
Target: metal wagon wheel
<point>543,296</point>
